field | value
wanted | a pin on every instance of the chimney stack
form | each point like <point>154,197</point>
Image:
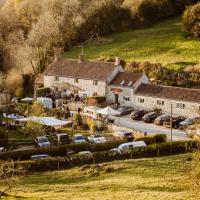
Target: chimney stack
<point>117,61</point>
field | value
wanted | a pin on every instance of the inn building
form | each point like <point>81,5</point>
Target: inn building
<point>94,78</point>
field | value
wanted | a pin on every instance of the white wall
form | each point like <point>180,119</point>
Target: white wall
<point>190,110</point>
<point>85,85</point>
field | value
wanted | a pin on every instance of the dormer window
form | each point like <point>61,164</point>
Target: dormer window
<point>122,83</point>
<point>130,83</point>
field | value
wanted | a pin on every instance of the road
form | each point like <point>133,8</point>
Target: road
<point>150,128</point>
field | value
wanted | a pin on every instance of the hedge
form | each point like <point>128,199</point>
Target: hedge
<point>162,149</point>
<point>59,150</point>
<point>159,138</point>
<point>42,92</point>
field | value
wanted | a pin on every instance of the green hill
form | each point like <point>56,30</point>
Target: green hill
<point>153,178</point>
<point>164,43</point>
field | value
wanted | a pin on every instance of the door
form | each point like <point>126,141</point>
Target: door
<point>116,98</point>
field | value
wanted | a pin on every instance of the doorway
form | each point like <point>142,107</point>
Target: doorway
<point>117,99</point>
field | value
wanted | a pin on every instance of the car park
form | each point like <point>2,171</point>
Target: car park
<point>42,141</point>
<point>161,119</point>
<point>125,110</point>
<point>137,115</point>
<point>78,139</point>
<point>128,146</point>
<point>97,139</point>
<point>40,156</point>
<point>123,134</point>
<point>62,139</point>
<point>149,117</point>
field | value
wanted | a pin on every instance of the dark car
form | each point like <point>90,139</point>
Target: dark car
<point>175,122</point>
<point>125,110</point>
<point>149,117</point>
<point>161,119</point>
<point>62,139</point>
<point>137,115</point>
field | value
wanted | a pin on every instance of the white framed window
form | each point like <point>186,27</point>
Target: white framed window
<point>140,100</point>
<point>180,105</point>
<point>126,98</point>
<point>160,103</point>
<point>95,94</point>
<point>95,82</point>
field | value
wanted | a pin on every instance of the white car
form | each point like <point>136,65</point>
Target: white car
<point>96,139</point>
<point>40,157</point>
<point>2,149</point>
<point>42,141</point>
<point>186,122</point>
<point>129,145</point>
<point>123,135</point>
<point>78,139</point>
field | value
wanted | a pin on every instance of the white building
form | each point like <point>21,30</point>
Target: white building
<point>93,78</point>
<point>85,78</point>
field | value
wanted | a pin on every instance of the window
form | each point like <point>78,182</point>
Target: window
<point>180,105</point>
<point>126,98</point>
<point>95,82</point>
<point>76,80</point>
<point>95,94</point>
<point>140,100</point>
<point>56,78</point>
<point>75,91</point>
<point>160,103</point>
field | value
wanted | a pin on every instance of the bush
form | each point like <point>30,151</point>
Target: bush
<point>154,139</point>
<point>42,92</point>
<point>191,20</point>
<point>91,101</point>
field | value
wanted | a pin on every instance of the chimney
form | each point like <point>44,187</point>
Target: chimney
<point>56,57</point>
<point>81,57</point>
<point>117,61</point>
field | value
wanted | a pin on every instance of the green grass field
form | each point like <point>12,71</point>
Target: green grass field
<point>164,43</point>
<point>153,179</point>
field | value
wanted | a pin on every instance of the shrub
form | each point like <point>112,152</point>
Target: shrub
<point>96,100</point>
<point>191,20</point>
<point>42,92</point>
<point>33,128</point>
<point>37,109</point>
<point>78,119</point>
<point>159,138</point>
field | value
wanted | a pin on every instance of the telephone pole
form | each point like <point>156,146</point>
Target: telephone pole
<point>171,127</point>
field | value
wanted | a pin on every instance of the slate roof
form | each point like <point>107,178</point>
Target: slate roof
<point>80,69</point>
<point>126,78</point>
<point>165,92</point>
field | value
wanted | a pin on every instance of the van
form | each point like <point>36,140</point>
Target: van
<point>129,145</point>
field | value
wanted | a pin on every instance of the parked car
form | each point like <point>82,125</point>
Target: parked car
<point>40,156</point>
<point>42,141</point>
<point>149,117</point>
<point>2,149</point>
<point>123,135</point>
<point>187,122</point>
<point>62,139</point>
<point>137,115</point>
<point>162,118</point>
<point>97,139</point>
<point>175,122</point>
<point>78,139</point>
<point>127,146</point>
<point>125,110</point>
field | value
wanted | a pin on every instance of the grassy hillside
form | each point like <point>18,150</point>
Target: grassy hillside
<point>164,43</point>
<point>155,178</point>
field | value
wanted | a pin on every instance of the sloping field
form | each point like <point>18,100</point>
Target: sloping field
<point>164,43</point>
<point>153,179</point>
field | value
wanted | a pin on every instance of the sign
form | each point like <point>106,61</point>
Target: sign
<point>117,90</point>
